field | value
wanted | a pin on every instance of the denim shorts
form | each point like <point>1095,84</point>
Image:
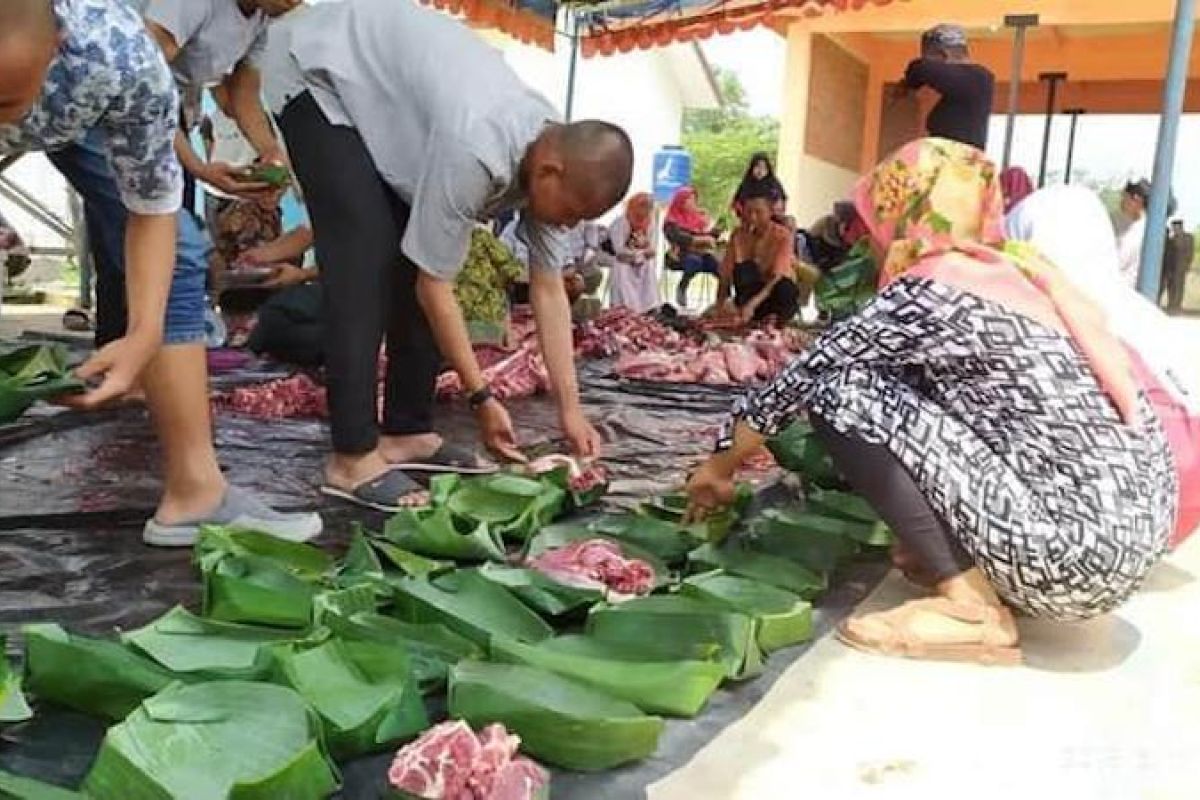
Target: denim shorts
<point>85,166</point>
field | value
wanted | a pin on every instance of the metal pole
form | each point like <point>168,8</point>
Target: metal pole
<point>1075,114</point>
<point>1051,101</point>
<point>81,249</point>
<point>574,36</point>
<point>1020,23</point>
<point>1150,274</point>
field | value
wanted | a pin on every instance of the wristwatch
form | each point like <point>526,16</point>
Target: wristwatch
<point>476,399</point>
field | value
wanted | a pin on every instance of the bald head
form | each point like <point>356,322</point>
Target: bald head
<point>28,40</point>
<point>578,171</point>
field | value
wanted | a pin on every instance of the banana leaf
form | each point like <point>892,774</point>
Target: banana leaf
<point>667,541</point>
<point>470,605</point>
<point>16,787</point>
<point>540,592</point>
<point>275,175</point>
<point>771,570</point>
<point>364,692</point>
<point>206,648</point>
<point>13,707</point>
<point>33,373</point>
<point>852,508</point>
<point>669,627</point>
<point>672,507</point>
<point>783,619</point>
<point>212,741</point>
<point>560,722</point>
<point>562,534</point>
<point>674,688</point>
<point>513,506</point>
<point>797,449</point>
<point>437,533</point>
<point>94,676</point>
<point>817,543</point>
<point>257,579</point>
<point>431,648</point>
<point>411,564</point>
<point>849,286</point>
<point>361,564</point>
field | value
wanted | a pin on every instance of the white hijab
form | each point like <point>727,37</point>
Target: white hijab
<point>1071,227</point>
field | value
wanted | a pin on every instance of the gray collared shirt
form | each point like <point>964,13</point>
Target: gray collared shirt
<point>444,118</point>
<point>214,36</point>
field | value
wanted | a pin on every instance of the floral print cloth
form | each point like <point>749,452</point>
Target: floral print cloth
<point>109,74</point>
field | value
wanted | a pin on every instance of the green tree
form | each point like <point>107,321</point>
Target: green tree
<point>722,141</point>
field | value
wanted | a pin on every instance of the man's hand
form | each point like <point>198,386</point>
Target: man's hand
<point>584,439</point>
<point>710,489</point>
<point>496,431</point>
<point>745,314</point>
<point>118,365</point>
<point>232,180</point>
<point>287,275</point>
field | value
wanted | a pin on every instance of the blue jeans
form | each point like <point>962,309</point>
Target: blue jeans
<point>85,166</point>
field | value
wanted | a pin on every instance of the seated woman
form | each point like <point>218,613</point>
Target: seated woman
<point>633,281</point>
<point>482,287</point>
<point>693,238</point>
<point>982,407</point>
<point>760,181</point>
<point>759,267</point>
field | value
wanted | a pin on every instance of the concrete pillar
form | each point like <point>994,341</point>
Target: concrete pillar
<point>793,122</point>
<point>873,122</point>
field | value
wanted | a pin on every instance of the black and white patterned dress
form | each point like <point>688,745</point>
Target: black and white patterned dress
<point>1006,430</point>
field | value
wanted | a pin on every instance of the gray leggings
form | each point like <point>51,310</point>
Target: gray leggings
<point>879,477</point>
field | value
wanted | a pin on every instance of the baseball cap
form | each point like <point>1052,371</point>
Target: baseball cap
<point>945,35</point>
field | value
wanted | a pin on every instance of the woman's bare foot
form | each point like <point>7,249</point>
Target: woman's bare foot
<point>939,629</point>
<point>403,449</point>
<point>347,471</point>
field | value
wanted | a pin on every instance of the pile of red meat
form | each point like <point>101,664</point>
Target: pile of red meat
<point>619,330</point>
<point>451,762</point>
<point>760,356</point>
<point>596,564</point>
<point>297,396</point>
<point>520,373</point>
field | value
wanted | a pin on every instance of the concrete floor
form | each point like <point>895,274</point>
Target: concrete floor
<point>1106,710</point>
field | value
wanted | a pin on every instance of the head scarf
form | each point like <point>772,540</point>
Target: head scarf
<point>768,186</point>
<point>935,208</point>
<point>1016,185</point>
<point>693,220</point>
<point>639,210</point>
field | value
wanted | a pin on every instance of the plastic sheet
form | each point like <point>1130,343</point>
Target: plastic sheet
<point>75,489</point>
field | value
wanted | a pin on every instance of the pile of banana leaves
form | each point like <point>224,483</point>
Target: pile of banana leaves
<point>850,285</point>
<point>299,660</point>
<point>33,373</point>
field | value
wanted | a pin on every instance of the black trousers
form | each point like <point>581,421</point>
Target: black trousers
<point>883,481</point>
<point>370,288</point>
<point>783,301</point>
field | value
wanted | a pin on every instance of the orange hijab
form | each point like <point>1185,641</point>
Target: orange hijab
<point>935,209</point>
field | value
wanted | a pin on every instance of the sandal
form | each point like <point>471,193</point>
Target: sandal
<point>449,458</point>
<point>890,633</point>
<point>388,492</point>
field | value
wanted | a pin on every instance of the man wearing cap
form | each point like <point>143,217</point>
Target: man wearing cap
<point>1134,201</point>
<point>966,88</point>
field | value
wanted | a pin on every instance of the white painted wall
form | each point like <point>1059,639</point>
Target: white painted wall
<point>639,91</point>
<point>35,175</point>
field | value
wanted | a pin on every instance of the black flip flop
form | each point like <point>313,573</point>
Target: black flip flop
<point>449,458</point>
<point>381,494</point>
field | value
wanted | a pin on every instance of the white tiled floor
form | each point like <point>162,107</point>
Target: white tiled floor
<point>1107,710</point>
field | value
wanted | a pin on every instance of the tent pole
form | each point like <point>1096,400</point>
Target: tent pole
<point>1020,23</point>
<point>1174,88</point>
<point>1052,78</point>
<point>1074,114</point>
<point>571,68</point>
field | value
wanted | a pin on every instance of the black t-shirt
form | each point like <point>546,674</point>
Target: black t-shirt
<point>966,105</point>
